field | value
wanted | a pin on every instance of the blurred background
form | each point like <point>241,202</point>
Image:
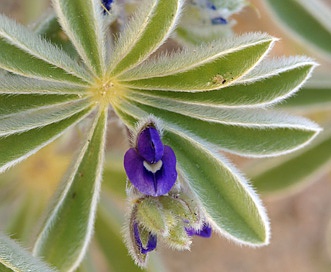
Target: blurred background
<point>298,199</point>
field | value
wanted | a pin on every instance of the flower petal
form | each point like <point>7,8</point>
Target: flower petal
<point>149,145</point>
<point>167,175</point>
<point>148,182</point>
<point>151,243</point>
<point>205,232</point>
<point>135,170</point>
<point>140,177</point>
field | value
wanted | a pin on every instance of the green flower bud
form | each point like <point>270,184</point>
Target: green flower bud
<point>150,213</point>
<point>181,206</point>
<point>178,238</point>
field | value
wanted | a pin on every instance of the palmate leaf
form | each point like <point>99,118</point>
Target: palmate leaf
<point>14,258</point>
<point>66,233</point>
<point>216,184</point>
<point>85,25</point>
<point>29,55</point>
<point>268,83</point>
<point>296,170</point>
<point>278,135</point>
<point>215,66</point>
<point>18,147</point>
<point>146,31</point>
<point>306,20</point>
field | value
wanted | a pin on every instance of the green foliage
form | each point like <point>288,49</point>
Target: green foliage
<point>151,26</point>
<point>14,258</point>
<point>75,205</point>
<point>309,21</point>
<point>297,169</point>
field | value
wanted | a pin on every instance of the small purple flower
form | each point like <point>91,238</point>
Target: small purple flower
<point>151,243</point>
<point>219,21</point>
<point>106,4</point>
<point>205,232</point>
<point>151,166</point>
<point>210,5</point>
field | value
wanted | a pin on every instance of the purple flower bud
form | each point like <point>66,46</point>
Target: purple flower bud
<point>219,21</point>
<point>149,145</point>
<point>151,166</point>
<point>205,232</point>
<point>151,243</point>
<point>106,4</point>
<point>211,6</point>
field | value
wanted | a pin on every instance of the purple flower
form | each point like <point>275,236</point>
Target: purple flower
<point>204,232</point>
<point>151,243</point>
<point>106,4</point>
<point>219,21</point>
<point>151,166</point>
<point>211,6</point>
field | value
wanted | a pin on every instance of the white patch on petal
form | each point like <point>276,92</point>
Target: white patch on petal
<point>153,167</point>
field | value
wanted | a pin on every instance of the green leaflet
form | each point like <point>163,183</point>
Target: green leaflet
<point>245,140</point>
<point>28,55</point>
<point>4,268</point>
<point>188,59</point>
<point>18,147</point>
<point>214,68</point>
<point>308,20</point>
<point>309,99</point>
<point>247,117</point>
<point>258,93</point>
<point>296,169</point>
<point>10,104</point>
<point>66,233</point>
<point>25,120</point>
<point>14,84</point>
<point>314,97</point>
<point>85,25</point>
<point>230,203</point>
<point>22,222</point>
<point>50,29</point>
<point>320,80</point>
<point>146,31</point>
<point>14,258</point>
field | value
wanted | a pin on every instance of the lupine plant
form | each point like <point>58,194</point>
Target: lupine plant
<point>181,106</point>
